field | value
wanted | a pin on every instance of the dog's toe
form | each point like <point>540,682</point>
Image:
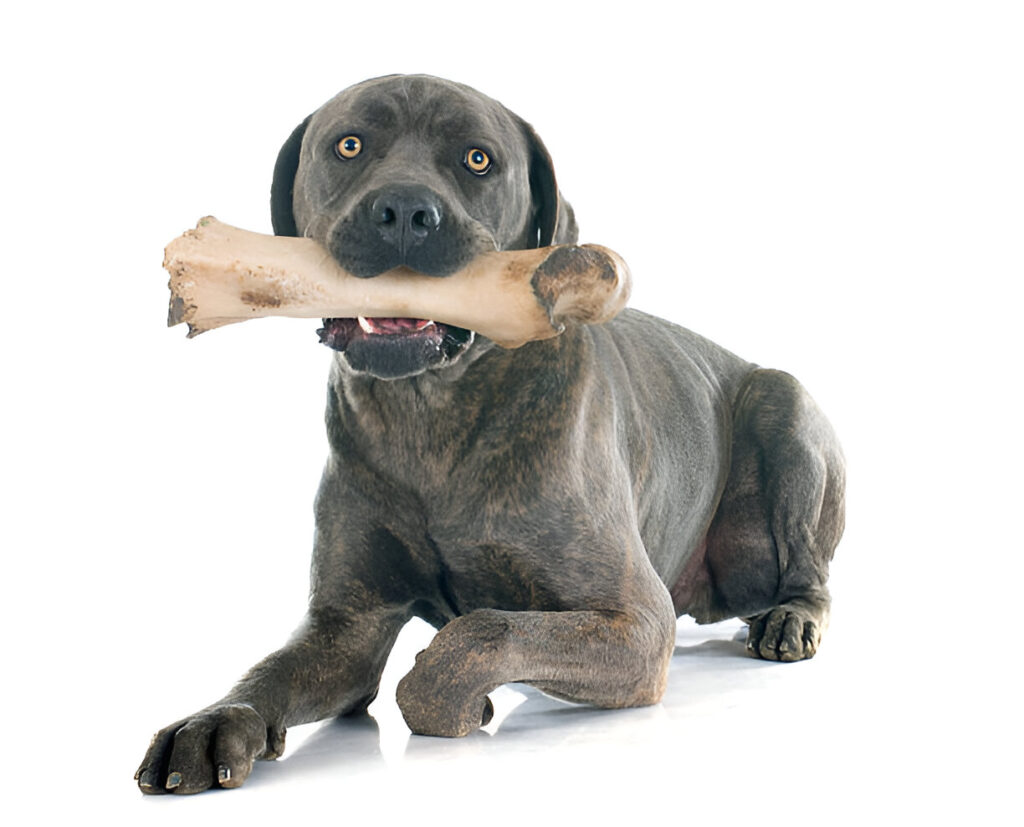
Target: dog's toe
<point>216,747</point>
<point>786,633</point>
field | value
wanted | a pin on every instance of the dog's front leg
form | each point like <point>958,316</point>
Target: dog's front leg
<point>608,658</point>
<point>331,666</point>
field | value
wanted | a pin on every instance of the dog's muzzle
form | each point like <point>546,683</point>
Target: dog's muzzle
<point>402,225</point>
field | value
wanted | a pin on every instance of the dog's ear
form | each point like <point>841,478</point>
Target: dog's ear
<point>282,188</point>
<point>554,221</point>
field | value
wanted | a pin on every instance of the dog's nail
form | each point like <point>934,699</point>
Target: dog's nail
<point>173,780</point>
<point>223,774</point>
<point>488,712</point>
<point>146,779</point>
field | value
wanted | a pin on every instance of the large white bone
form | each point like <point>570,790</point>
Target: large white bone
<point>221,274</point>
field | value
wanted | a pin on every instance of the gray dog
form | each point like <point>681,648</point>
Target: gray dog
<point>550,510</point>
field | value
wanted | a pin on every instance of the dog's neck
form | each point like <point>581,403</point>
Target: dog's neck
<point>416,428</point>
<point>420,429</point>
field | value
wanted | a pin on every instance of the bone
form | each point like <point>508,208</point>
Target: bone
<point>222,274</point>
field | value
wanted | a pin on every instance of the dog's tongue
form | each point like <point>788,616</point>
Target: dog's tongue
<point>395,325</point>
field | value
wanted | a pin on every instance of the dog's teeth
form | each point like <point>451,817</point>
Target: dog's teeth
<point>423,325</point>
<point>364,323</point>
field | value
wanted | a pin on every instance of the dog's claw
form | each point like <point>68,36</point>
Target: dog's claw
<point>173,780</point>
<point>488,712</point>
<point>223,774</point>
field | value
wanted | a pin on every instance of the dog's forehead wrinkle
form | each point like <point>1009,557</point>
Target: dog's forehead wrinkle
<point>423,105</point>
<point>376,112</point>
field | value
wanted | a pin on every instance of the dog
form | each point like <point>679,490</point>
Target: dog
<point>551,510</point>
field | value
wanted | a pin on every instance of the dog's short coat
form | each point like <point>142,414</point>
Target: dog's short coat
<point>550,510</point>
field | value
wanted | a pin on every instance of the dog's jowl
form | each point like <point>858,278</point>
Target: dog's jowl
<point>551,509</point>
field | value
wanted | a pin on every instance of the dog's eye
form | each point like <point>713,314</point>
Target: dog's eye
<point>348,147</point>
<point>477,161</point>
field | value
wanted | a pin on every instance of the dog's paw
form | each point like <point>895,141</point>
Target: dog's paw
<point>445,693</point>
<point>786,633</point>
<point>433,709</point>
<point>215,747</point>
<point>440,696</point>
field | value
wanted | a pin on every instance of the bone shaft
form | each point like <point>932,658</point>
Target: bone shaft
<point>222,274</point>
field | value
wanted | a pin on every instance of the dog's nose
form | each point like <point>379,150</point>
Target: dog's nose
<point>405,216</point>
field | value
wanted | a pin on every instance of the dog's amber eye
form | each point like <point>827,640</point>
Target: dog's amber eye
<point>348,147</point>
<point>477,161</point>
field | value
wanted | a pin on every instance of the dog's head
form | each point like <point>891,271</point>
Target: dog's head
<point>419,172</point>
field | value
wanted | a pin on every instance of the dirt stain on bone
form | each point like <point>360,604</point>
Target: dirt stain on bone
<point>259,298</point>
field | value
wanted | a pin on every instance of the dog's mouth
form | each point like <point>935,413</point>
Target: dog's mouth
<point>338,334</point>
<point>394,348</point>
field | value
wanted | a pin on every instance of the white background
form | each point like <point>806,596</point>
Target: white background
<point>834,189</point>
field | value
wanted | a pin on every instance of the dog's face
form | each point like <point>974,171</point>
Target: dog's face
<point>418,172</point>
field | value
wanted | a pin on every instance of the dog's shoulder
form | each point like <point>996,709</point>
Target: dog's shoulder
<point>652,344</point>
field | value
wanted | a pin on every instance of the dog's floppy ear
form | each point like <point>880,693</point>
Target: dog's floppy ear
<point>554,221</point>
<point>282,188</point>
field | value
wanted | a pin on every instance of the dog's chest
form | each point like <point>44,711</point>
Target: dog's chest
<point>495,576</point>
<point>541,547</point>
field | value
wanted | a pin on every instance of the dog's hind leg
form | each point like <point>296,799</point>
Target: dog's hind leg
<point>779,520</point>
